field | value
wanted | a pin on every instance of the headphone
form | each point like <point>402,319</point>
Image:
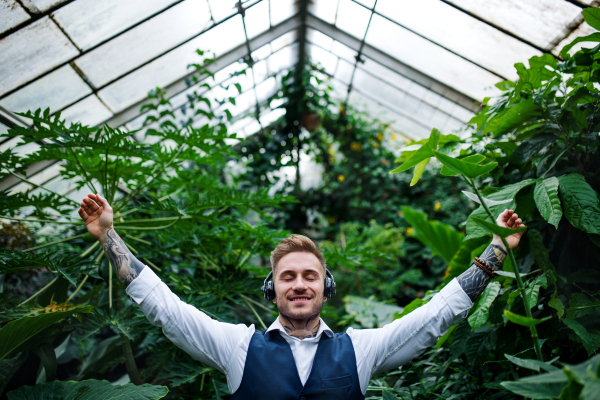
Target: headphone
<point>268,288</point>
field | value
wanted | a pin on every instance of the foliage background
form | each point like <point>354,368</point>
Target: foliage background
<point>207,231</point>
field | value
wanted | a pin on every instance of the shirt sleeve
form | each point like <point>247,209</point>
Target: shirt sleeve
<point>202,337</point>
<point>379,350</point>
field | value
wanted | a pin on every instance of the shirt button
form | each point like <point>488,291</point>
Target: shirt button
<point>302,398</point>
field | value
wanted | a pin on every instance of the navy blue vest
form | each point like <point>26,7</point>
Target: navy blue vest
<point>270,371</point>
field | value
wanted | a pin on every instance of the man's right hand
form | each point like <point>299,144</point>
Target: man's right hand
<point>97,215</point>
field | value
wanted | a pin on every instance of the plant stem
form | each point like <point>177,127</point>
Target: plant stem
<point>110,268</point>
<point>257,303</point>
<point>77,290</point>
<point>87,178</point>
<point>42,220</point>
<point>149,228</point>
<point>256,315</point>
<point>153,219</point>
<point>55,242</point>
<point>132,370</point>
<point>41,187</point>
<point>534,334</point>
<point>40,291</point>
<point>89,250</point>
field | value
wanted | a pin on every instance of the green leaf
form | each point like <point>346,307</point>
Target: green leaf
<point>473,159</point>
<point>556,303</point>
<point>545,386</point>
<point>481,313</point>
<point>90,389</point>
<point>46,354</point>
<point>594,37</point>
<point>388,396</point>
<point>574,387</point>
<point>462,334</point>
<point>488,202</point>
<point>419,169</point>
<point>370,313</point>
<point>580,203</point>
<point>15,333</point>
<point>580,117</point>
<point>467,169</point>
<point>535,365</point>
<point>540,253</point>
<point>511,117</point>
<point>479,345</point>
<point>524,321</point>
<point>8,367</point>
<point>442,239</point>
<point>238,87</point>
<point>494,228</point>
<point>582,333</point>
<point>592,17</point>
<point>546,198</point>
<point>508,192</point>
<point>533,289</point>
<point>425,152</point>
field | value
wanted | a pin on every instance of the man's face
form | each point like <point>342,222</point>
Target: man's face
<point>299,286</point>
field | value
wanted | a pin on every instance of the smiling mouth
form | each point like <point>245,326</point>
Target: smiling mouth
<point>299,299</point>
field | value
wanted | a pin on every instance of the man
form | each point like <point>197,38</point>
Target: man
<point>298,357</point>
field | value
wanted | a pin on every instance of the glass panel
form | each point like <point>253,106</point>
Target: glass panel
<point>56,90</point>
<point>257,19</point>
<point>282,10</point>
<point>260,71</point>
<point>583,30</point>
<point>89,22</point>
<point>40,47</point>
<point>385,94</point>
<point>344,71</point>
<point>284,40</point>
<point>324,9</point>
<point>262,53</point>
<point>221,9</point>
<point>399,123</point>
<point>327,60</point>
<point>39,6</point>
<point>225,74</point>
<point>428,57</point>
<point>460,33</point>
<point>266,89</point>
<point>3,129</point>
<point>462,114</point>
<point>352,18</point>
<point>11,15</point>
<point>243,103</point>
<point>538,21</point>
<point>344,52</point>
<point>89,111</point>
<point>134,47</point>
<point>321,40</point>
<point>368,3</point>
<point>283,59</point>
<point>269,117</point>
<point>172,66</point>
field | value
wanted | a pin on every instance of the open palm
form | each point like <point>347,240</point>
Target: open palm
<point>97,215</point>
<point>509,219</point>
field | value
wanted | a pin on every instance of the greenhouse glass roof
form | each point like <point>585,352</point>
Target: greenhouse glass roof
<point>416,64</point>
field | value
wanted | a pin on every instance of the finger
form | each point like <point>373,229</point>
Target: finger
<point>502,217</point>
<point>83,215</point>
<point>92,205</point>
<point>87,207</point>
<point>103,202</point>
<point>518,222</point>
<point>95,199</point>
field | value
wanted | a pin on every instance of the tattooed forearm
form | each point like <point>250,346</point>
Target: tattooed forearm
<point>123,261</point>
<point>301,329</point>
<point>474,280</point>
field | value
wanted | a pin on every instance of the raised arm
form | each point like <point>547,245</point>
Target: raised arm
<point>474,280</point>
<point>98,217</point>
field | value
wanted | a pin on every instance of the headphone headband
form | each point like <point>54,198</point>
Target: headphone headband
<point>268,287</point>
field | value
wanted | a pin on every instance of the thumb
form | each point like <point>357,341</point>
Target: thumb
<point>103,202</point>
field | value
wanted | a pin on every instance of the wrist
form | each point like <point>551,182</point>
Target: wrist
<point>104,235</point>
<point>498,242</point>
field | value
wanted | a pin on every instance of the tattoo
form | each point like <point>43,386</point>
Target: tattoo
<point>123,261</point>
<point>302,329</point>
<point>474,280</point>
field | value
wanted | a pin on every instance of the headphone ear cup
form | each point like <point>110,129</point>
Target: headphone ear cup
<point>327,291</point>
<point>270,291</point>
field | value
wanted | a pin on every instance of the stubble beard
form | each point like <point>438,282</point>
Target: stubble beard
<point>309,314</point>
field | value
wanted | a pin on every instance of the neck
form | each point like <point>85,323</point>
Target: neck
<point>301,328</point>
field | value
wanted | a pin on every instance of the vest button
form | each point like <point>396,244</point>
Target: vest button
<point>302,398</point>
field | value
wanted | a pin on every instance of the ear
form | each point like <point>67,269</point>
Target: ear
<point>274,301</point>
<point>324,299</point>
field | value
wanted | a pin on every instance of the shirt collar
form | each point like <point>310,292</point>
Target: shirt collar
<point>276,325</point>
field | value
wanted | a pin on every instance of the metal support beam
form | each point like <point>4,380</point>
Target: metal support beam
<point>239,52</point>
<point>393,64</point>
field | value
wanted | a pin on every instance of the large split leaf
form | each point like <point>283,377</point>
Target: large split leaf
<point>15,333</point>
<point>442,239</point>
<point>546,198</point>
<point>482,312</point>
<point>580,203</point>
<point>88,390</point>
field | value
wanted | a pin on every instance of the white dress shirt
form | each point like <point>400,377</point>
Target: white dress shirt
<point>225,346</point>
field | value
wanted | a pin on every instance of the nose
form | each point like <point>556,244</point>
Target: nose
<point>299,284</point>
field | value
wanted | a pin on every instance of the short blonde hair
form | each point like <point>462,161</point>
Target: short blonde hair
<point>296,244</point>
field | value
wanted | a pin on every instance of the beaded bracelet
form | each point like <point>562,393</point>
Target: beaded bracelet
<point>484,267</point>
